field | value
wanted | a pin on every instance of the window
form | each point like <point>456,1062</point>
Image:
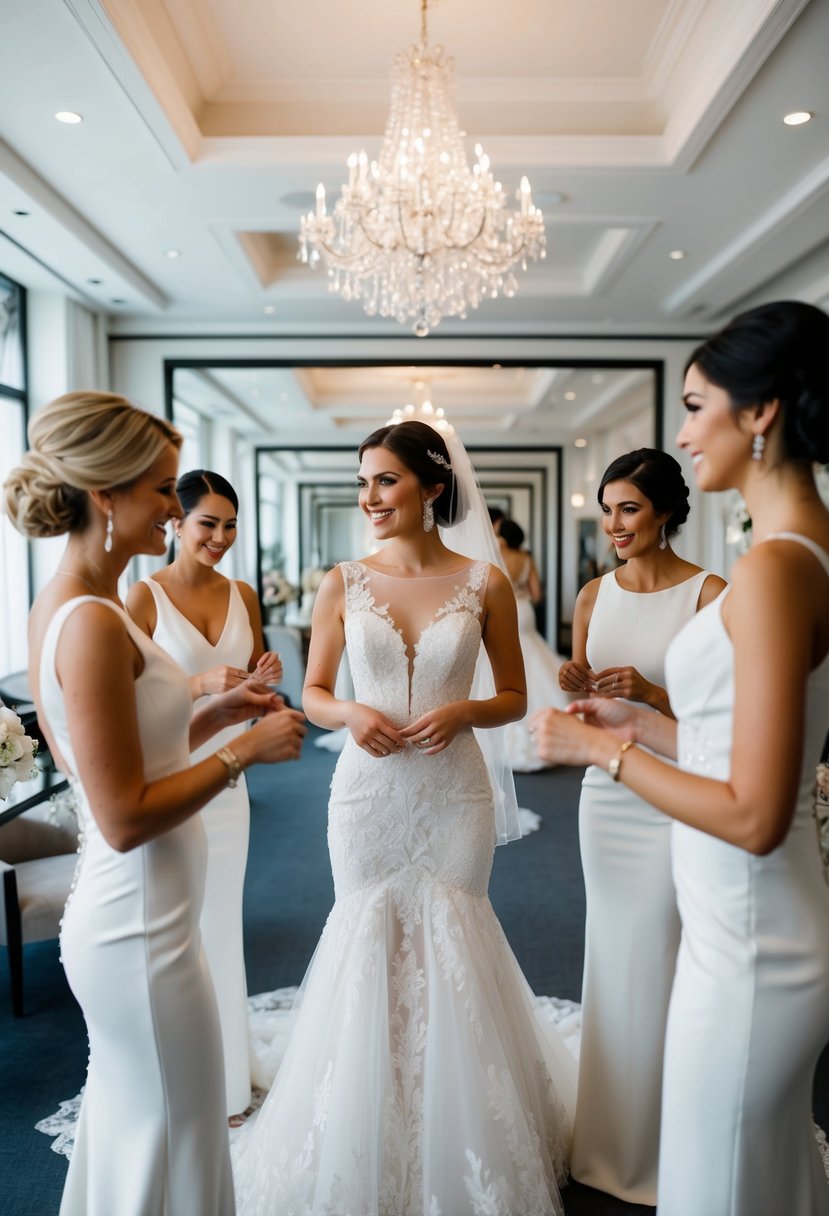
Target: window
<point>14,552</point>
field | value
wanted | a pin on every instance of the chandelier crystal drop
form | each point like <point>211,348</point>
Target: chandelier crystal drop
<point>417,234</point>
<point>425,412</point>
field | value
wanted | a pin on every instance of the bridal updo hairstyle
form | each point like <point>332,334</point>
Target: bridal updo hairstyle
<point>511,533</point>
<point>411,443</point>
<point>192,487</point>
<point>776,352</point>
<point>659,477</point>
<point>80,442</point>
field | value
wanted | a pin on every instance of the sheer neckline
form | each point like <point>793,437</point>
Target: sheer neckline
<point>411,578</point>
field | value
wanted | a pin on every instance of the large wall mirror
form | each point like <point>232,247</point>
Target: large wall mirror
<point>539,437</point>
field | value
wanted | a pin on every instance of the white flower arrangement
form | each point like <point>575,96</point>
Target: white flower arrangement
<point>312,577</point>
<point>738,527</point>
<point>277,590</point>
<point>17,752</point>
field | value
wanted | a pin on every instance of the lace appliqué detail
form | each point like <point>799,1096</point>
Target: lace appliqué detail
<point>821,811</point>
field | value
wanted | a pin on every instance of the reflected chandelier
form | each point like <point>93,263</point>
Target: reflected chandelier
<point>417,234</point>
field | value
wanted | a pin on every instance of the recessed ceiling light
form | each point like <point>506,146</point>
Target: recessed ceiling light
<point>571,396</point>
<point>69,117</point>
<point>577,499</point>
<point>21,213</point>
<point>676,255</point>
<point>172,253</point>
<point>796,118</point>
<point>579,443</point>
<point>269,309</point>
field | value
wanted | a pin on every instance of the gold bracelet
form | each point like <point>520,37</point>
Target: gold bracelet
<point>615,766</point>
<point>233,764</point>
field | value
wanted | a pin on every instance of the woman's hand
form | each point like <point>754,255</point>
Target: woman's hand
<point>625,682</point>
<point>278,736</point>
<point>372,731</point>
<point>434,731</point>
<point>269,669</point>
<point>247,700</point>
<point>561,738</point>
<point>575,677</point>
<point>217,680</point>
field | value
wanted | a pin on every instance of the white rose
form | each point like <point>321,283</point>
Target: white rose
<point>11,722</point>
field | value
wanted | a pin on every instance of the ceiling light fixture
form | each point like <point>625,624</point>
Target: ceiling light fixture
<point>579,443</point>
<point>570,396</point>
<point>676,255</point>
<point>269,309</point>
<point>577,500</point>
<point>172,253</point>
<point>417,234</point>
<point>69,117</point>
<point>425,412</point>
<point>797,118</point>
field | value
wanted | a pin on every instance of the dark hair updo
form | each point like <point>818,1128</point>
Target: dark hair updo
<point>416,444</point>
<point>192,487</point>
<point>511,533</point>
<point>776,352</point>
<point>659,477</point>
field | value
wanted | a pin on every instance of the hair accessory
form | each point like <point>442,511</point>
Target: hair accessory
<point>428,516</point>
<point>108,537</point>
<point>614,768</point>
<point>758,446</point>
<point>233,765</point>
<point>438,459</point>
<point>663,538</point>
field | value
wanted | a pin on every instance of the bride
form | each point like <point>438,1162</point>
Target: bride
<point>418,1080</point>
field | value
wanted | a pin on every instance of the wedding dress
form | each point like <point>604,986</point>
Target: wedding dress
<point>226,820</point>
<point>152,1133</point>
<point>749,1011</point>
<point>418,1079</point>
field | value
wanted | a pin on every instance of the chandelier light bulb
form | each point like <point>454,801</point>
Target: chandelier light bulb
<point>418,234</point>
<point>577,500</point>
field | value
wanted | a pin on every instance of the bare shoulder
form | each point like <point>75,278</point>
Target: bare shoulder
<point>139,596</point>
<point>247,592</point>
<point>586,598</point>
<point>498,584</point>
<point>331,590</point>
<point>779,576</point>
<point>712,587</point>
<point>94,630</point>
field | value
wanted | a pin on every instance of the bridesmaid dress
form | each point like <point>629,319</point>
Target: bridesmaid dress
<point>632,929</point>
<point>541,669</point>
<point>226,821</point>
<point>152,1137</point>
<point>749,1012</point>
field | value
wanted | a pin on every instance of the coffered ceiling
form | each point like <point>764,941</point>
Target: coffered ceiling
<point>647,127</point>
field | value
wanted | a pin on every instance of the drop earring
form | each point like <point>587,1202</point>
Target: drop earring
<point>663,538</point>
<point>758,446</point>
<point>428,516</point>
<point>108,537</point>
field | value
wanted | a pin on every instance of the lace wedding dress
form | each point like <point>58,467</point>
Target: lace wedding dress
<point>418,1079</point>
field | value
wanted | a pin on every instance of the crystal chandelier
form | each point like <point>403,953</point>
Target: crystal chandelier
<point>417,234</point>
<point>425,412</point>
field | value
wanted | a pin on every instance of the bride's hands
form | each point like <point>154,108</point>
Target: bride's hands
<point>372,732</point>
<point>434,731</point>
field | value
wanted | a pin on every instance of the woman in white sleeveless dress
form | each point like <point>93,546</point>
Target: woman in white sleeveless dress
<point>212,628</point>
<point>749,680</point>
<point>116,710</point>
<point>418,1080</point>
<point>622,627</point>
<point>540,663</point>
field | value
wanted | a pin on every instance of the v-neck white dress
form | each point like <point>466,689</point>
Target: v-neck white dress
<point>152,1135</point>
<point>749,1011</point>
<point>418,1079</point>
<point>227,824</point>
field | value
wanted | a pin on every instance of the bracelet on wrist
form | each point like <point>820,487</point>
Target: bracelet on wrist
<point>614,768</point>
<point>233,765</point>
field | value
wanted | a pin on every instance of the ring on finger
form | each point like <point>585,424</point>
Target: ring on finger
<point>425,742</point>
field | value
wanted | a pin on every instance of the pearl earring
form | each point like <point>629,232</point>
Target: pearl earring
<point>663,538</point>
<point>428,516</point>
<point>108,537</point>
<point>758,446</point>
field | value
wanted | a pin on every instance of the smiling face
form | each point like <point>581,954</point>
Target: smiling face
<point>391,495</point>
<point>141,511</point>
<point>629,519</point>
<point>209,530</point>
<point>717,438</point>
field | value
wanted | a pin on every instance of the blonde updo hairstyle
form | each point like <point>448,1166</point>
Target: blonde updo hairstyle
<point>80,442</point>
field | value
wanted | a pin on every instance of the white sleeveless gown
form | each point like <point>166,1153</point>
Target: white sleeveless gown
<point>152,1135</point>
<point>632,929</point>
<point>418,1080</point>
<point>226,822</point>
<point>750,1007</point>
<point>541,667</point>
